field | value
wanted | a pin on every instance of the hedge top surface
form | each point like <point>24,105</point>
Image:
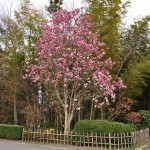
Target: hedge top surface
<point>13,132</point>
<point>10,125</point>
<point>102,126</point>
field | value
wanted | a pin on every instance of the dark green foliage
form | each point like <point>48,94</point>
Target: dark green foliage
<point>101,126</point>
<point>145,119</point>
<point>136,77</point>
<point>135,70</point>
<point>133,126</point>
<point>107,16</point>
<point>135,40</point>
<point>18,37</point>
<point>6,112</point>
<point>86,128</point>
<point>13,132</point>
<point>55,5</point>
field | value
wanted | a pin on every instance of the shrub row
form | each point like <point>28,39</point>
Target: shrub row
<point>102,126</point>
<point>13,132</point>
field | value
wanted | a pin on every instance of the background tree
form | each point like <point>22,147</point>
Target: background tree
<point>107,16</point>
<point>136,77</point>
<point>54,6</point>
<point>127,47</point>
<point>30,21</point>
<point>18,38</point>
<point>135,42</point>
<point>11,67</point>
<point>135,58</point>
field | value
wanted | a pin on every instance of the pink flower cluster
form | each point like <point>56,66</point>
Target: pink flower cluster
<point>68,52</point>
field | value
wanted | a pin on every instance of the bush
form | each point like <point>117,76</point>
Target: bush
<point>145,119</point>
<point>13,132</point>
<point>133,117</point>
<point>132,126</point>
<point>102,126</point>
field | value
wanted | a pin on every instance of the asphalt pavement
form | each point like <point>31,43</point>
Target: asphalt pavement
<point>145,146</point>
<point>18,145</point>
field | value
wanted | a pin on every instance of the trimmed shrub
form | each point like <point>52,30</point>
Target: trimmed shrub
<point>133,126</point>
<point>13,132</point>
<point>102,126</point>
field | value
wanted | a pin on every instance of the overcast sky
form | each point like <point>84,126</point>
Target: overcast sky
<point>139,8</point>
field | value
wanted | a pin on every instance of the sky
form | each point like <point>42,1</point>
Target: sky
<point>138,9</point>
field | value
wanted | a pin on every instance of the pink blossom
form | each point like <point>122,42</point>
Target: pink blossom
<point>69,57</point>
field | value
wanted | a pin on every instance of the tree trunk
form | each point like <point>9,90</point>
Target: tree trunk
<point>15,110</point>
<point>91,113</point>
<point>102,116</point>
<point>68,119</point>
<point>67,123</point>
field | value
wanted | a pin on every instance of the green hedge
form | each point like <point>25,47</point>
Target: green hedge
<point>102,126</point>
<point>145,119</point>
<point>13,132</point>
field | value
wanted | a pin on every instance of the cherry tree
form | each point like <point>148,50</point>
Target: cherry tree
<point>70,61</point>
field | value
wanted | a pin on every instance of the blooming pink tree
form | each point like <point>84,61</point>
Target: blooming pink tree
<point>71,61</point>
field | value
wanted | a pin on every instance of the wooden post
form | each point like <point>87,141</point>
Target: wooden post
<point>57,137</point>
<point>96,140</point>
<point>64,136</point>
<point>115,140</point>
<point>40,135</point>
<point>128,139</point>
<point>80,139</point>
<point>109,141</point>
<point>92,139</point>
<point>133,138</point>
<point>71,137</point>
<point>60,138</point>
<point>76,138</point>
<point>125,140</point>
<point>84,139</point>
<point>101,139</point>
<point>23,134</point>
<point>105,140</point>
<point>121,141</point>
<point>28,135</point>
<point>88,138</point>
<point>31,139</point>
<point>118,138</point>
<point>47,136</point>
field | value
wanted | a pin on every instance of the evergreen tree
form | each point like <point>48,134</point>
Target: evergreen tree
<point>54,6</point>
<point>135,66</point>
<point>107,16</point>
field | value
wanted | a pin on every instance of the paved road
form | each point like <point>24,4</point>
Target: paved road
<point>145,146</point>
<point>13,145</point>
<point>18,145</point>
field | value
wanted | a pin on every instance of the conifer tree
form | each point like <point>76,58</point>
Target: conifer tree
<point>54,6</point>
